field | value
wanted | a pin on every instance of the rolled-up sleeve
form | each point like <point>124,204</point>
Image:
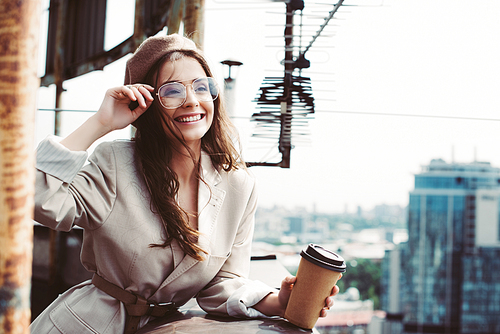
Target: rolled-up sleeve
<point>240,303</point>
<point>54,159</point>
<point>69,192</point>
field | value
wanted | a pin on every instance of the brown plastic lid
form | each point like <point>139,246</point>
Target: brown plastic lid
<point>324,258</point>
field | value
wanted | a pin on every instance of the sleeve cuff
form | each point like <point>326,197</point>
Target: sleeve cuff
<point>241,301</point>
<point>54,159</point>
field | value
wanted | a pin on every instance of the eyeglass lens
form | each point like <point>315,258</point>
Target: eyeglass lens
<point>173,94</point>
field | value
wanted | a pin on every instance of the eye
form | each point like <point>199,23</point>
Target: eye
<point>201,86</point>
<point>171,90</point>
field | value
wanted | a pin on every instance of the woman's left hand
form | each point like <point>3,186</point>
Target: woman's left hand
<point>286,290</point>
<point>275,304</point>
<point>329,301</point>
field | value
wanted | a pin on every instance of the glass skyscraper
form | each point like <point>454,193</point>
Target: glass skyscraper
<point>450,266</point>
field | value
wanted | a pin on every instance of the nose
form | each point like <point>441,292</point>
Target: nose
<point>191,100</point>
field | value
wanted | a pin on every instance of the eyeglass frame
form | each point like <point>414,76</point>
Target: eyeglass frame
<point>185,91</point>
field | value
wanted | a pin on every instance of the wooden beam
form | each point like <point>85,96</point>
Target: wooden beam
<point>19,28</point>
<point>194,21</point>
<point>177,13</point>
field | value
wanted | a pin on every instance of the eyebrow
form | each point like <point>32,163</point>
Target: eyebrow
<point>181,81</point>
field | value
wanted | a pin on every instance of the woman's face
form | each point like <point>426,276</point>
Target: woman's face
<point>193,118</point>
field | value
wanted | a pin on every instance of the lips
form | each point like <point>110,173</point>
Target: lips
<point>187,119</point>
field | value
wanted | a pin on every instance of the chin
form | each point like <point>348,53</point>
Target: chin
<point>195,135</point>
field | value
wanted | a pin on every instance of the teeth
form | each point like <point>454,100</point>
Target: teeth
<point>189,119</point>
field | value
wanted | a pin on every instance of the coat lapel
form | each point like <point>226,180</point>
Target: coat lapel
<point>210,200</point>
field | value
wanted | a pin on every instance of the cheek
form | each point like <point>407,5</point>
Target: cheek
<point>168,114</point>
<point>210,120</point>
<point>209,108</point>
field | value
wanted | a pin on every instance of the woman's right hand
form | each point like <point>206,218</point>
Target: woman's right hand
<point>114,112</point>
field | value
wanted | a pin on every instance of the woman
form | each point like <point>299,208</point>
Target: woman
<point>168,216</point>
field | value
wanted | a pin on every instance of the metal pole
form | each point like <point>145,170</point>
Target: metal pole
<point>177,12</point>
<point>285,141</point>
<point>139,31</point>
<point>60,11</point>
<point>59,8</point>
<point>139,36</point>
<point>194,21</point>
<point>19,24</point>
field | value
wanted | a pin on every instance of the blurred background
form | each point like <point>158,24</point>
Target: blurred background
<point>386,150</point>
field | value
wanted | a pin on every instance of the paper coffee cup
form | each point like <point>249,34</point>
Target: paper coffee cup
<point>319,271</point>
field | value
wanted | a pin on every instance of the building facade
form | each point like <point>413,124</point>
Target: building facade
<point>450,266</point>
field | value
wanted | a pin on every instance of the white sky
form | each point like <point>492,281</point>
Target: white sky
<point>438,58</point>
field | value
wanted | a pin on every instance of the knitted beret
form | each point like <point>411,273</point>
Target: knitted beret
<point>150,51</point>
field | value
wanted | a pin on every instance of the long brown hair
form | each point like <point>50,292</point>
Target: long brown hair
<point>155,152</point>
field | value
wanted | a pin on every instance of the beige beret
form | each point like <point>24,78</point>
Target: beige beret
<point>150,51</point>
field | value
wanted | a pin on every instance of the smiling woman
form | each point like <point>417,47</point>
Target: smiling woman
<point>167,216</point>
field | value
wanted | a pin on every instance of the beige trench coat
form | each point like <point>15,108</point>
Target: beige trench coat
<point>108,199</point>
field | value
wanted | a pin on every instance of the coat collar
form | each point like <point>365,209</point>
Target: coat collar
<point>207,170</point>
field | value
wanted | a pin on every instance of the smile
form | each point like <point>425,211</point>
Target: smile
<point>193,118</point>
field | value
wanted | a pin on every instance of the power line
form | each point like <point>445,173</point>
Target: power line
<point>407,115</point>
<point>66,110</point>
<point>334,112</point>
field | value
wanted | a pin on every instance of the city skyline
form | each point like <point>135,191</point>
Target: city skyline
<point>444,279</point>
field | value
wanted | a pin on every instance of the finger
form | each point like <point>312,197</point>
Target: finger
<point>288,282</point>
<point>323,313</point>
<point>127,91</point>
<point>329,302</point>
<point>335,290</point>
<point>286,290</point>
<point>143,93</point>
<point>134,104</point>
<point>147,87</point>
<point>139,97</point>
<point>146,90</point>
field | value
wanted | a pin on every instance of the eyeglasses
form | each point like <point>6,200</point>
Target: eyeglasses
<point>173,94</point>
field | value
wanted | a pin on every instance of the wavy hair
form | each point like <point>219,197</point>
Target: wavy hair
<point>155,151</point>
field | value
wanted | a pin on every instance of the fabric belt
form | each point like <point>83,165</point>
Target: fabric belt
<point>136,305</point>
